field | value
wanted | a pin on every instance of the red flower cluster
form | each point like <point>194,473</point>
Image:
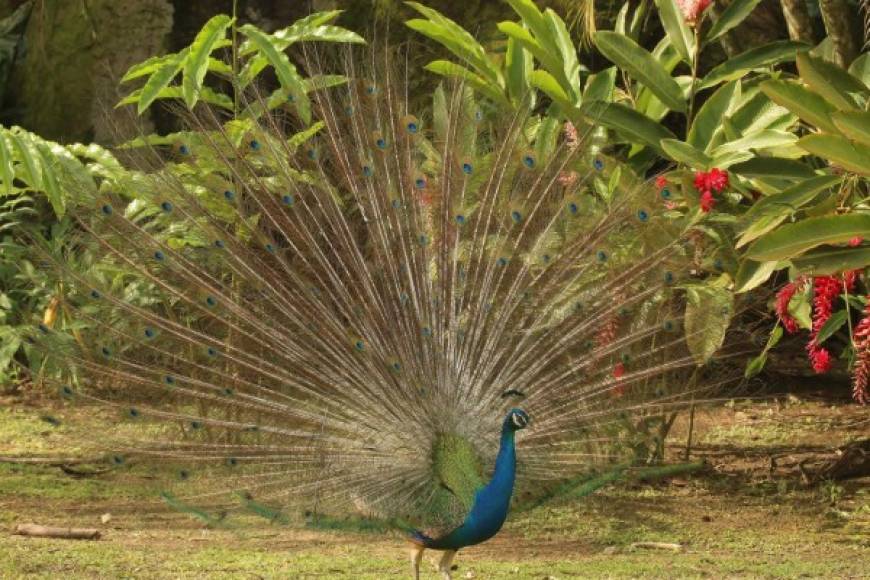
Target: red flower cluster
<point>708,182</point>
<point>783,298</point>
<point>861,372</point>
<point>825,291</point>
<point>692,9</point>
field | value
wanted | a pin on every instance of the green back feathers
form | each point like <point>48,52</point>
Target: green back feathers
<point>457,467</point>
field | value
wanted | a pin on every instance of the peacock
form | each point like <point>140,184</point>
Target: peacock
<point>380,320</point>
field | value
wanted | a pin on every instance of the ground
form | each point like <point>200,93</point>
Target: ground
<point>750,513</point>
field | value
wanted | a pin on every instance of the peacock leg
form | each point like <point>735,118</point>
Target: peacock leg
<point>416,553</point>
<point>446,563</point>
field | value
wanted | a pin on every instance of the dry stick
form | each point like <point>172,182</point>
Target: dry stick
<point>694,382</point>
<point>37,531</point>
<point>689,437</point>
<point>657,546</point>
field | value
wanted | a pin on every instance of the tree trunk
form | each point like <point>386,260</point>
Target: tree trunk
<point>797,19</point>
<point>67,84</point>
<point>843,24</point>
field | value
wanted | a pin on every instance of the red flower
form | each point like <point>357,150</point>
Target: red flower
<point>717,179</point>
<point>825,291</point>
<point>856,241</point>
<point>661,182</point>
<point>707,202</point>
<point>783,298</point>
<point>692,9</point>
<point>861,370</point>
<point>821,359</point>
<point>713,180</point>
<point>701,181</point>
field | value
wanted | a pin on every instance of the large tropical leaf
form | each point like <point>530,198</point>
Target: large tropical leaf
<point>708,314</point>
<point>801,101</point>
<point>770,211</point>
<point>758,57</point>
<point>196,62</point>
<point>839,151</point>
<point>833,83</point>
<point>684,153</point>
<point>285,70</point>
<point>709,118</point>
<point>641,65</point>
<point>676,28</point>
<point>792,240</point>
<point>636,126</point>
<point>734,14</point>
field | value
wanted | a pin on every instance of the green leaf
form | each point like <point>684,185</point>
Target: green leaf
<point>480,84</point>
<point>627,121</point>
<point>768,212</point>
<point>733,15</point>
<point>757,364</point>
<point>196,62</point>
<point>708,314</point>
<point>710,115</point>
<point>284,69</point>
<point>752,274</point>
<point>758,57</point>
<point>561,39</point>
<point>830,81</point>
<point>765,139</point>
<point>804,103</point>
<point>684,153</point>
<point>159,80</point>
<point>860,68</point>
<point>299,27</point>
<point>839,150</point>
<point>7,172</point>
<point>518,64</point>
<point>854,124</point>
<point>298,139</point>
<point>28,161</point>
<point>289,36</point>
<point>50,183</point>
<point>146,67</point>
<point>535,20</point>
<point>833,324</point>
<point>206,94</point>
<point>526,40</point>
<point>761,167</point>
<point>678,31</point>
<point>545,82</point>
<point>827,261</point>
<point>640,64</point>
<point>794,239</point>
<point>599,86</point>
<point>455,39</point>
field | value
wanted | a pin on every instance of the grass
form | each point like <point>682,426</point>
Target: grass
<point>738,520</point>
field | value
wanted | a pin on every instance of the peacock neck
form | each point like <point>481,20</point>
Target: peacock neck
<point>506,462</point>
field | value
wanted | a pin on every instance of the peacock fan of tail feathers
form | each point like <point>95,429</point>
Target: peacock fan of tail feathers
<point>353,324</point>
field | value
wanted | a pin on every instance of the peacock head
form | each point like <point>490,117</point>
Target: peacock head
<point>517,419</point>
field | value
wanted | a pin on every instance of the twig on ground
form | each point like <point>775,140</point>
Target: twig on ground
<point>657,546</point>
<point>37,531</point>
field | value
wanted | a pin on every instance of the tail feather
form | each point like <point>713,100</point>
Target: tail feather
<point>302,314</point>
